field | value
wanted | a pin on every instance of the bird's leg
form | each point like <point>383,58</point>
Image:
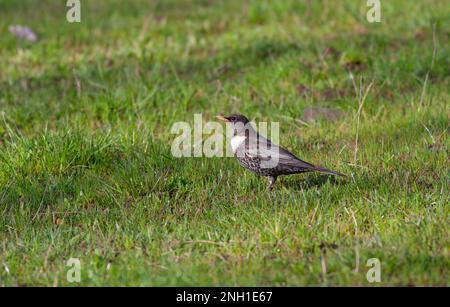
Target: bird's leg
<point>272,180</point>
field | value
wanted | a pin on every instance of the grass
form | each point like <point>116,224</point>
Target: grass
<point>86,169</point>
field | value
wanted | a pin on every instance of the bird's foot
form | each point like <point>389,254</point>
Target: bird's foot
<point>272,183</point>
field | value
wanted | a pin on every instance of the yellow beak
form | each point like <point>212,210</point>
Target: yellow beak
<point>222,118</point>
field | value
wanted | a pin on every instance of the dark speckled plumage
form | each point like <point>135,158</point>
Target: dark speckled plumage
<point>261,156</point>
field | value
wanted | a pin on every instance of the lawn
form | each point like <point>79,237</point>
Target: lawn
<point>86,169</point>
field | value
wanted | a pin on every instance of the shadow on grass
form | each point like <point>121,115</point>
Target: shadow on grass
<point>309,181</point>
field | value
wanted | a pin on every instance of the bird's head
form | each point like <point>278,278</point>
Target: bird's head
<point>233,118</point>
<point>237,121</point>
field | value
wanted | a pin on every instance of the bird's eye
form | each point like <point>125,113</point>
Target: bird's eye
<point>233,119</point>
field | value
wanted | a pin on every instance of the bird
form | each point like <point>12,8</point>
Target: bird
<point>259,155</point>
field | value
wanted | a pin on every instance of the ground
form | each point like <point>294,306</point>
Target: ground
<point>86,169</point>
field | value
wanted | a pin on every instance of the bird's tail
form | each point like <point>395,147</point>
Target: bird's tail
<point>327,171</point>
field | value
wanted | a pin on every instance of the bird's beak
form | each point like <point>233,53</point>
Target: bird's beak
<point>222,118</point>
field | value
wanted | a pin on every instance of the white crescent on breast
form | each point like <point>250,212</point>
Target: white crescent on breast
<point>236,141</point>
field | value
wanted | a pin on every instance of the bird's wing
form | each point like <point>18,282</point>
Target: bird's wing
<point>274,155</point>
